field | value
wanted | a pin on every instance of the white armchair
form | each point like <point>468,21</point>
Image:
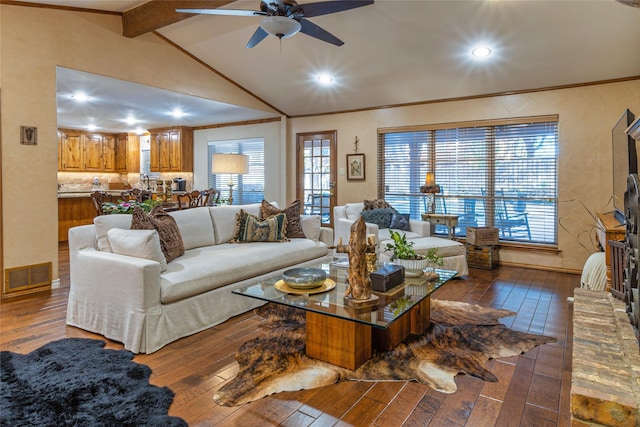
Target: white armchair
<point>453,253</point>
<point>344,216</point>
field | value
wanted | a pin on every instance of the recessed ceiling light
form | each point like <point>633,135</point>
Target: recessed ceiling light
<point>130,120</point>
<point>92,127</point>
<point>325,79</point>
<point>140,131</point>
<point>481,51</point>
<point>80,96</point>
<point>177,113</point>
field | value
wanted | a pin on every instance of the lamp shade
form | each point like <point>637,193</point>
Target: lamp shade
<point>230,163</point>
<point>280,26</point>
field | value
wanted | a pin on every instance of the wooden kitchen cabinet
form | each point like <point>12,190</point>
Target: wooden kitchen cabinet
<point>93,153</point>
<point>72,212</point>
<point>79,151</point>
<point>172,150</point>
<point>109,153</point>
<point>70,149</point>
<point>121,152</point>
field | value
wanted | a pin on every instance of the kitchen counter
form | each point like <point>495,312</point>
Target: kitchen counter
<point>75,194</point>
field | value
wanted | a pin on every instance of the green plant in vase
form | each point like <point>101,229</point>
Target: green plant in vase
<point>414,263</point>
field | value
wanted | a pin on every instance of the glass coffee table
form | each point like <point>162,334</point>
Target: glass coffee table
<point>344,336</point>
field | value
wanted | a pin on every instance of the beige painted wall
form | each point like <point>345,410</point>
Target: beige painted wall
<point>275,188</point>
<point>586,116</point>
<point>33,41</point>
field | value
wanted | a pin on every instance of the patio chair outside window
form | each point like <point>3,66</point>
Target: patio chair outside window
<point>509,222</point>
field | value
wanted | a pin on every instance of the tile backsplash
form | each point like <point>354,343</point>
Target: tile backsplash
<point>69,182</point>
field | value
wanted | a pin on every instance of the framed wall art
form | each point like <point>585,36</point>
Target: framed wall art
<point>28,135</point>
<point>355,167</point>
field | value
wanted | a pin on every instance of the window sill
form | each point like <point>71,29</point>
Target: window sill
<point>526,247</point>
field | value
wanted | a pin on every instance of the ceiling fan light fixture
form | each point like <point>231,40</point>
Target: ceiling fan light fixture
<point>280,26</point>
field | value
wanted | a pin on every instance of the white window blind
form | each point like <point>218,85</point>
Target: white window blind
<point>248,188</point>
<point>494,173</point>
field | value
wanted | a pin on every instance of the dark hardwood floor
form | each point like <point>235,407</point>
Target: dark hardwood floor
<point>533,389</point>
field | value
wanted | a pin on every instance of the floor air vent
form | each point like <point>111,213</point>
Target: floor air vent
<point>28,278</point>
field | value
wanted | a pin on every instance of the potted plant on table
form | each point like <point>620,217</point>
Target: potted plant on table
<point>414,264</point>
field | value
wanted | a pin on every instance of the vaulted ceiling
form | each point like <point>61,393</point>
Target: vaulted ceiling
<point>402,51</point>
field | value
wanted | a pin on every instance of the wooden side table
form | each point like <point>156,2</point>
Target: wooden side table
<point>450,221</point>
<point>609,228</point>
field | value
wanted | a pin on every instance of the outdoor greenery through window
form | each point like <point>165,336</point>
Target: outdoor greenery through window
<point>500,173</point>
<point>247,188</point>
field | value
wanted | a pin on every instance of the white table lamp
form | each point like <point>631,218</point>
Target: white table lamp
<point>232,164</point>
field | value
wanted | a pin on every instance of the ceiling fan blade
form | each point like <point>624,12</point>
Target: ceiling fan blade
<point>228,12</point>
<point>310,10</point>
<point>257,37</point>
<point>313,30</point>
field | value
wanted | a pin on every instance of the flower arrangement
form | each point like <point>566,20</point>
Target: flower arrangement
<point>126,207</point>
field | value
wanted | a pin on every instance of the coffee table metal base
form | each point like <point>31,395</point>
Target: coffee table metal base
<point>349,344</point>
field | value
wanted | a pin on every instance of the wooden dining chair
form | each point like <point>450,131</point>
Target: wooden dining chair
<point>98,198</point>
<point>197,199</point>
<point>136,194</point>
<point>184,200</point>
<point>212,198</point>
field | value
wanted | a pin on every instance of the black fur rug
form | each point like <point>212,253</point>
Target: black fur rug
<point>75,382</point>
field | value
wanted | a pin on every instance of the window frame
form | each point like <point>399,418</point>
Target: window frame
<point>424,148</point>
<point>255,177</point>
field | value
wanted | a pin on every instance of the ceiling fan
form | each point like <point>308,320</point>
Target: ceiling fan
<point>285,18</point>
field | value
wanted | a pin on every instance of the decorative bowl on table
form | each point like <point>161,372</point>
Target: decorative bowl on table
<point>304,278</point>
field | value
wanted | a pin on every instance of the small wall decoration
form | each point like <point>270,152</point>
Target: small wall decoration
<point>355,167</point>
<point>28,135</point>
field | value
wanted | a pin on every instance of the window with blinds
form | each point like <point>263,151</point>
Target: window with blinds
<point>248,188</point>
<point>500,173</point>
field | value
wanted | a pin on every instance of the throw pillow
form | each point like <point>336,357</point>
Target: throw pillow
<point>375,204</point>
<point>381,217</point>
<point>170,238</point>
<point>294,229</point>
<point>400,222</point>
<point>137,243</point>
<point>249,228</point>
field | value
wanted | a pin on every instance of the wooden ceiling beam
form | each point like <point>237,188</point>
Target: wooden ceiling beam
<point>156,14</point>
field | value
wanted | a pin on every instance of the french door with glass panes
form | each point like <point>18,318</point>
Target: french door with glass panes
<point>316,171</point>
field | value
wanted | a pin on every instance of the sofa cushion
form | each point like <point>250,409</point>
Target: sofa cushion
<point>384,234</point>
<point>311,225</point>
<point>400,222</point>
<point>353,210</point>
<point>249,228</point>
<point>203,269</point>
<point>137,243</point>
<point>165,225</point>
<point>381,217</point>
<point>195,227</point>
<point>294,229</point>
<point>446,247</point>
<point>104,223</point>
<point>224,219</point>
<point>369,205</point>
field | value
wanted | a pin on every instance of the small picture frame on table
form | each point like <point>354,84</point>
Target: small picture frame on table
<point>355,167</point>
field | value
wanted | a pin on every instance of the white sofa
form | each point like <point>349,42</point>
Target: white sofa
<point>128,299</point>
<point>453,253</point>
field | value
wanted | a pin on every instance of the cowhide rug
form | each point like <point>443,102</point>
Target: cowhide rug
<point>461,338</point>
